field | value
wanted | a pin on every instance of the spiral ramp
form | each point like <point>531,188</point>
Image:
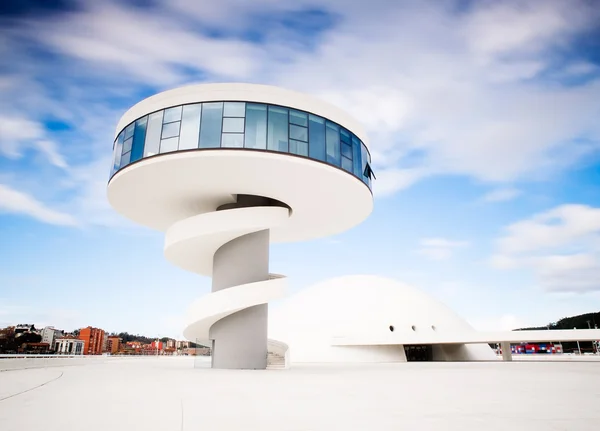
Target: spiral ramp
<point>195,244</point>
<point>219,211</point>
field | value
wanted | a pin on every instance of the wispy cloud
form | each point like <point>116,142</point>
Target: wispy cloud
<point>439,248</point>
<point>501,195</point>
<point>16,202</point>
<point>561,246</point>
<point>472,100</point>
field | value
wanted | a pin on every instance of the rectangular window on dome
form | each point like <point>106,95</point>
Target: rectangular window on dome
<point>137,148</point>
<point>170,130</point>
<point>234,109</point>
<point>298,118</point>
<point>190,126</point>
<point>316,138</point>
<point>298,133</point>
<point>168,145</point>
<point>233,125</point>
<point>112,163</point>
<point>210,128</point>
<point>256,126</point>
<point>232,140</point>
<point>277,137</point>
<point>129,131</point>
<point>172,114</point>
<point>332,136</point>
<point>357,166</point>
<point>346,164</point>
<point>364,155</point>
<point>299,147</point>
<point>118,152</point>
<point>345,136</point>
<point>125,158</point>
<point>127,144</point>
<point>153,132</point>
<point>347,150</point>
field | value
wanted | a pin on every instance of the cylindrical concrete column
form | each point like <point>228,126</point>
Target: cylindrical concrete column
<point>239,341</point>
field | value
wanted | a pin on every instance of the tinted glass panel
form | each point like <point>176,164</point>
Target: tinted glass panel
<point>210,130</point>
<point>112,162</point>
<point>172,114</point>
<point>316,138</point>
<point>129,131</point>
<point>125,159</point>
<point>168,145</point>
<point>233,140</point>
<point>277,129</point>
<point>347,164</point>
<point>238,125</point>
<point>299,133</point>
<point>137,149</point>
<point>118,152</point>
<point>345,136</point>
<point>299,118</point>
<point>233,125</point>
<point>256,126</point>
<point>153,134</point>
<point>234,109</point>
<point>333,143</point>
<point>190,127</point>
<point>364,159</point>
<point>127,144</point>
<point>299,147</point>
<point>356,157</point>
<point>346,151</point>
<point>171,129</point>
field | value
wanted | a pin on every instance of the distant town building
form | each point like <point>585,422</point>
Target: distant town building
<point>50,334</point>
<point>34,348</point>
<point>171,343</point>
<point>22,328</point>
<point>157,345</point>
<point>69,346</point>
<point>113,344</point>
<point>182,345</point>
<point>93,339</point>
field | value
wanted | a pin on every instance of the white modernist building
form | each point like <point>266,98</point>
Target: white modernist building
<point>369,318</point>
<point>69,346</point>
<point>225,169</point>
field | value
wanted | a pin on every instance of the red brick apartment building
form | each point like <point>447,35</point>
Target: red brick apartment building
<point>93,339</point>
<point>114,344</point>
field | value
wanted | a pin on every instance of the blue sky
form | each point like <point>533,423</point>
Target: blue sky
<point>483,117</point>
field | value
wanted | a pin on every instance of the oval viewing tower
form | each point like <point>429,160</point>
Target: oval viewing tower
<point>225,169</point>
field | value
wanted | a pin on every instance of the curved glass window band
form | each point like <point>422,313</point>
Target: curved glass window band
<point>242,125</point>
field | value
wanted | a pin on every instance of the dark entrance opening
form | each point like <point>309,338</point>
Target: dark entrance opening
<point>418,353</point>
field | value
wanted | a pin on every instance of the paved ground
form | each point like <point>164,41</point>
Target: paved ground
<point>169,394</point>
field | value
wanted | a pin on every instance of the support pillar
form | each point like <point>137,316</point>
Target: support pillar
<point>506,352</point>
<point>240,339</point>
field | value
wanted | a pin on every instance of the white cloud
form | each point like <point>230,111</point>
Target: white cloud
<point>391,180</point>
<point>17,134</point>
<point>561,246</point>
<point>501,195</point>
<point>16,202</point>
<point>457,88</point>
<point>439,248</point>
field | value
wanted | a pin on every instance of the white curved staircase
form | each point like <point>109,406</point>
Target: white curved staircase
<point>194,244</point>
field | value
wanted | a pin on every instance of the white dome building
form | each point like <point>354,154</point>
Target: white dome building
<point>370,319</point>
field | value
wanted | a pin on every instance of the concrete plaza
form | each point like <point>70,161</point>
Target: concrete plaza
<point>170,394</point>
